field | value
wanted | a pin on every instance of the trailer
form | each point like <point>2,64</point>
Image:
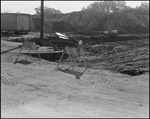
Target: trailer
<point>15,22</point>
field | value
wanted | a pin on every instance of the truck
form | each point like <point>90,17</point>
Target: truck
<point>15,22</point>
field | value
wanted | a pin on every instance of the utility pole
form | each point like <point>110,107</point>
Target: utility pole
<point>42,17</point>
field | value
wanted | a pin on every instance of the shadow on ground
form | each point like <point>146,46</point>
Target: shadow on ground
<point>25,62</point>
<point>73,72</point>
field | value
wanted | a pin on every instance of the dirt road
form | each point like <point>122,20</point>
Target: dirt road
<point>39,89</point>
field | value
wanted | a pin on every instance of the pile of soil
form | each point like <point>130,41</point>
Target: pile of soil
<point>123,22</point>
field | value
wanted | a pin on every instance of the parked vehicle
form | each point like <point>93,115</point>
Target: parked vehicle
<point>15,22</point>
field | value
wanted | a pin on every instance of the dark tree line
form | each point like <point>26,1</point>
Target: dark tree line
<point>117,6</point>
<point>47,11</point>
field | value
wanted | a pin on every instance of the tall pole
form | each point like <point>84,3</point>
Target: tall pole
<point>42,17</point>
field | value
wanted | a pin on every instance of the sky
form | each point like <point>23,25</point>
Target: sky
<point>63,6</point>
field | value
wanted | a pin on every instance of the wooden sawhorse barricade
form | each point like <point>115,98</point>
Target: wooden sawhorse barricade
<point>28,45</point>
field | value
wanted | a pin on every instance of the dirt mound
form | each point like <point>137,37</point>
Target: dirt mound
<point>126,22</point>
<point>123,22</point>
<point>61,26</point>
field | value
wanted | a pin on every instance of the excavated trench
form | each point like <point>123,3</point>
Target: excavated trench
<point>49,56</point>
<point>56,56</point>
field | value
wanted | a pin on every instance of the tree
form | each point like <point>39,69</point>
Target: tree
<point>47,11</point>
<point>117,6</point>
<point>83,9</point>
<point>143,9</point>
<point>121,5</point>
<point>107,6</point>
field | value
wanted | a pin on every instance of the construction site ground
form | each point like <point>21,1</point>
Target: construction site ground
<point>38,89</point>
